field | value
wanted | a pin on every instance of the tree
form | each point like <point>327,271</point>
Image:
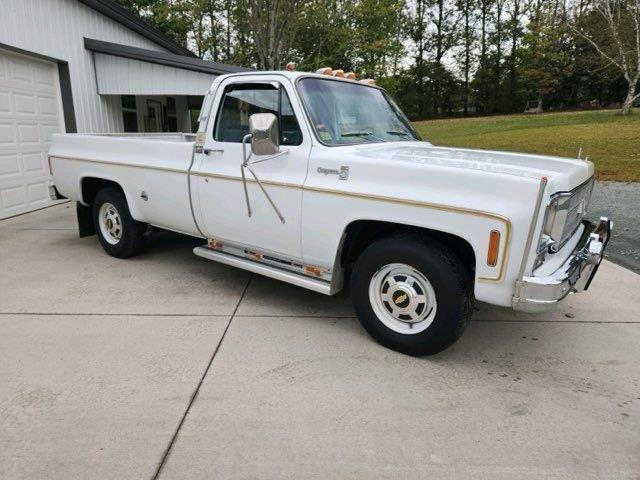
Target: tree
<point>271,25</point>
<point>441,39</point>
<point>170,17</point>
<point>612,28</point>
<point>546,57</point>
<point>482,79</point>
<point>497,65</point>
<point>515,31</point>
<point>417,30</point>
<point>467,12</point>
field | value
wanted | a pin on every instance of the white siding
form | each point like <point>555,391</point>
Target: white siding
<point>56,28</point>
<point>124,76</point>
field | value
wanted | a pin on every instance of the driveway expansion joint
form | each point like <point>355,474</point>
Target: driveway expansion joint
<point>192,400</point>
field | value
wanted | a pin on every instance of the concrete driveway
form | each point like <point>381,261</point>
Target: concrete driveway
<point>169,366</point>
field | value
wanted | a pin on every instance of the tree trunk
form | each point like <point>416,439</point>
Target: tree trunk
<point>419,35</point>
<point>497,66</point>
<point>515,19</point>
<point>484,11</point>
<point>627,106</point>
<point>437,72</point>
<point>467,54</point>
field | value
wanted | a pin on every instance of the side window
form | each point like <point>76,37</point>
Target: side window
<point>242,101</point>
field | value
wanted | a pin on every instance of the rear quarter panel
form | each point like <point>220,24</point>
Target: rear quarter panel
<point>156,167</point>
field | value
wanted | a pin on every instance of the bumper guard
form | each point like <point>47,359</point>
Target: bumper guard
<point>538,294</point>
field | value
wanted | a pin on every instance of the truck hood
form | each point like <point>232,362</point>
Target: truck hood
<point>563,173</point>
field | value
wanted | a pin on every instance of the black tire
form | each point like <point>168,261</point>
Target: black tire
<point>131,231</point>
<point>451,283</point>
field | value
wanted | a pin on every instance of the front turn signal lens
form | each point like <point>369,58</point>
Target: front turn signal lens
<point>494,248</point>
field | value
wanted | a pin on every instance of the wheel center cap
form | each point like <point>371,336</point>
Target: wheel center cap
<point>109,224</point>
<point>401,298</point>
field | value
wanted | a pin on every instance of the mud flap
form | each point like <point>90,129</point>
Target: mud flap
<point>86,228</point>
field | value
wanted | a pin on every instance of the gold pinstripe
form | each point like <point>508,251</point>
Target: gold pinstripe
<point>401,201</point>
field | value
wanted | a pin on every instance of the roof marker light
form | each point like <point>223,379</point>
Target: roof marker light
<point>338,73</point>
<point>350,76</point>
<point>368,81</point>
<point>325,71</point>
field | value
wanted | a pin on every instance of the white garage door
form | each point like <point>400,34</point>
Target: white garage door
<point>29,115</point>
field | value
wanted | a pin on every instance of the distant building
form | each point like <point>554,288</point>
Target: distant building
<point>87,66</point>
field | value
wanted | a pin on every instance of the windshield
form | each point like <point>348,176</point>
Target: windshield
<point>344,113</point>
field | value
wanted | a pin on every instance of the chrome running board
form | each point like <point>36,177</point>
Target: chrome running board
<point>314,284</point>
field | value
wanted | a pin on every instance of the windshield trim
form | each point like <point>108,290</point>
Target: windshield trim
<point>332,79</point>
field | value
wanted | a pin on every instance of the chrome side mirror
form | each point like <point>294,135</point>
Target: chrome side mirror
<point>265,139</point>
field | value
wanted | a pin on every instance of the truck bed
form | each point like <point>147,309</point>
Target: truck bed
<point>146,165</point>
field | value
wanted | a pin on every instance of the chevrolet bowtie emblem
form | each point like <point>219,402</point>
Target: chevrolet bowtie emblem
<point>401,298</point>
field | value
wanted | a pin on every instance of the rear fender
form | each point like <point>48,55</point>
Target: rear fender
<point>136,214</point>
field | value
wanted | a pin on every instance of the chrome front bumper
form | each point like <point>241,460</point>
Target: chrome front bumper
<point>538,294</point>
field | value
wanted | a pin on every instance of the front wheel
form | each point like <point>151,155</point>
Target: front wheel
<point>120,235</point>
<point>411,294</point>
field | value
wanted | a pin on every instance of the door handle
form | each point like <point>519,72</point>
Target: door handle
<point>208,151</point>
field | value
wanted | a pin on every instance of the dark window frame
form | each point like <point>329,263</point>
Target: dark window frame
<point>129,110</point>
<point>265,86</point>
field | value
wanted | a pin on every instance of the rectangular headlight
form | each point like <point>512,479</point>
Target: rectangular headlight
<point>563,216</point>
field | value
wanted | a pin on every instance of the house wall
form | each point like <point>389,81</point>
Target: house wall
<point>56,28</point>
<point>125,76</point>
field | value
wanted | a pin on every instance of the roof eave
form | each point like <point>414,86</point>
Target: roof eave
<point>161,58</point>
<point>130,20</point>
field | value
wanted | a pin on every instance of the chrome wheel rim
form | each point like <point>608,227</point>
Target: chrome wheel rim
<point>110,223</point>
<point>403,298</point>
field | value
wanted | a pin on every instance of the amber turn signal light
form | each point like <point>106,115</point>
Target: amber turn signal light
<point>494,248</point>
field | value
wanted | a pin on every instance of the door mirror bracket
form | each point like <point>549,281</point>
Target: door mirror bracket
<point>263,128</point>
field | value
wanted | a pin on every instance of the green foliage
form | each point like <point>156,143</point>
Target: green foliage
<point>170,17</point>
<point>436,57</point>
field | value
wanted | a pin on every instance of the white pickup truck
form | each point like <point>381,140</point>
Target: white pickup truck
<point>311,179</point>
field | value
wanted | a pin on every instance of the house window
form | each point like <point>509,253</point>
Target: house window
<point>129,113</point>
<point>172,116</point>
<point>194,105</point>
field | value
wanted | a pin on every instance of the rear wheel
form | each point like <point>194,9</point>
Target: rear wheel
<point>119,234</point>
<point>411,294</point>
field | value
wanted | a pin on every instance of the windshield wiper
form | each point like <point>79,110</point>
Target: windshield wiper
<point>361,134</point>
<point>399,134</point>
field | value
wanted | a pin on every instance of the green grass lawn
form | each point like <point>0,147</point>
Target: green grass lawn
<point>611,141</point>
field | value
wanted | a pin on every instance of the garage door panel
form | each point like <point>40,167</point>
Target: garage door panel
<point>47,106</point>
<point>7,135</point>
<point>28,133</point>
<point>38,192</point>
<point>20,69</point>
<point>29,116</point>
<point>9,165</point>
<point>5,102</point>
<point>33,163</point>
<point>47,131</point>
<point>12,196</point>
<point>44,74</point>
<point>24,103</point>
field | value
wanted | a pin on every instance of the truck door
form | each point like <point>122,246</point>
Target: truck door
<point>217,174</point>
